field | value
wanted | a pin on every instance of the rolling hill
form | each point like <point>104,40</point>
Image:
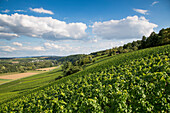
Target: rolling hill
<point>132,82</point>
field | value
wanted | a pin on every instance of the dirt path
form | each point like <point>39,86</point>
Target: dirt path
<point>19,75</point>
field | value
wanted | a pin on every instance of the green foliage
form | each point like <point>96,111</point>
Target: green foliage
<point>71,58</point>
<point>85,60</point>
<point>162,38</point>
<point>24,85</point>
<point>25,65</point>
<point>131,82</point>
<point>68,68</point>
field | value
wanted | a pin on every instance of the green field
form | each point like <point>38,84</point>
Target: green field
<point>136,81</point>
<point>4,80</point>
<point>23,85</point>
<point>132,82</point>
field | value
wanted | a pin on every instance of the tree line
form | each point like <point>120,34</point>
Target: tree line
<point>162,38</point>
<point>6,67</point>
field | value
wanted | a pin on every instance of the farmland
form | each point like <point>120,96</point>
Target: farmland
<point>21,65</point>
<point>46,69</point>
<point>17,87</point>
<point>4,80</point>
<point>17,76</point>
<point>7,77</point>
<point>132,82</point>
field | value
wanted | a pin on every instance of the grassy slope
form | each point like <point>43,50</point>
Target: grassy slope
<point>106,63</point>
<point>4,80</point>
<point>20,86</point>
<point>113,61</point>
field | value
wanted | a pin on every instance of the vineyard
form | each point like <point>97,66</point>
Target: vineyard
<point>133,82</point>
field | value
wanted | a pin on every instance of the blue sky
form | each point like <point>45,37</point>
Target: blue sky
<point>65,27</point>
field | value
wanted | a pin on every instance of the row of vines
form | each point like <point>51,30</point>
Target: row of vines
<point>140,85</point>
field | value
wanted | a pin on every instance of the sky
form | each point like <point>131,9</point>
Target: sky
<point>66,27</point>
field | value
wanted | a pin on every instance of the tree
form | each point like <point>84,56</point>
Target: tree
<point>110,52</point>
<point>120,49</point>
<point>135,48</point>
<point>68,68</point>
<point>143,42</point>
<point>3,68</point>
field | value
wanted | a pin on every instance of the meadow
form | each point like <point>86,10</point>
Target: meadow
<point>21,86</point>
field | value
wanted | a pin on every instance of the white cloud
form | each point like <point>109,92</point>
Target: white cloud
<point>132,27</point>
<point>31,48</point>
<point>155,2</point>
<point>41,27</point>
<point>17,44</point>
<point>20,11</point>
<point>41,10</point>
<point>61,48</point>
<point>7,36</point>
<point>94,40</point>
<point>52,45</point>
<point>7,48</point>
<point>38,48</point>
<point>141,11</point>
<point>21,48</point>
<point>5,11</point>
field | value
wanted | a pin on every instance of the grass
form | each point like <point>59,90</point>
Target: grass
<point>101,66</point>
<point>41,81</point>
<point>107,62</point>
<point>10,73</point>
<point>100,57</point>
<point>23,85</point>
<point>4,80</point>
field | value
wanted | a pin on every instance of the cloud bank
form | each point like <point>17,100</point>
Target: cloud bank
<point>7,36</point>
<point>15,25</point>
<point>21,48</point>
<point>132,27</point>
<point>7,48</point>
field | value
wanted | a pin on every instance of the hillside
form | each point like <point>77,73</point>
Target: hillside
<point>84,56</point>
<point>129,82</point>
<point>75,63</point>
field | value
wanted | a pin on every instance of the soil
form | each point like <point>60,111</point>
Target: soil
<point>17,76</point>
<point>46,69</point>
